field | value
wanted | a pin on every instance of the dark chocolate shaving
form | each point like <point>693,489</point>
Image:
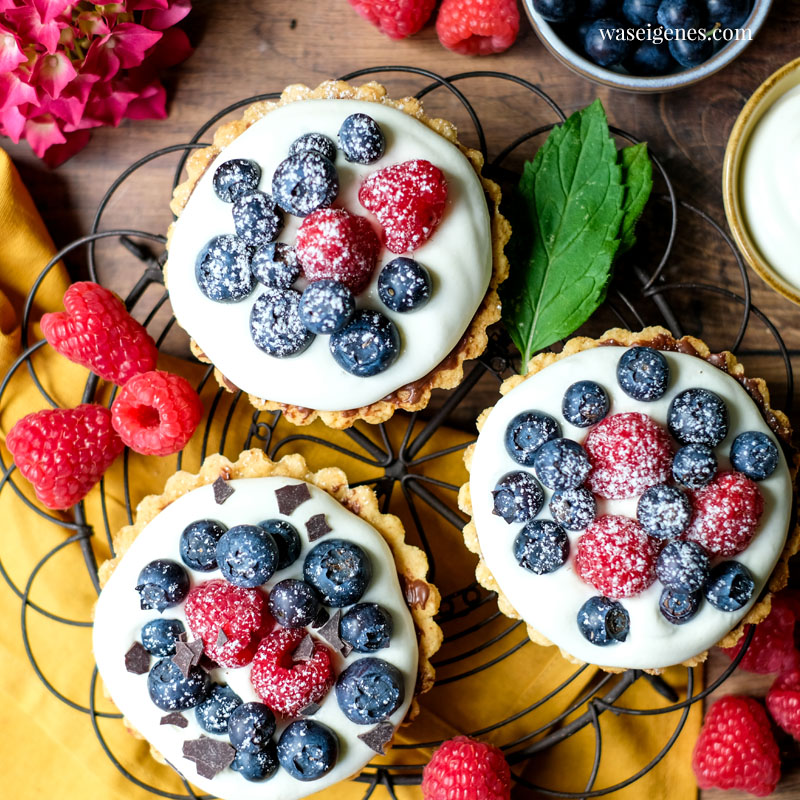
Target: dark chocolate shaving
<point>187,655</point>
<point>221,638</point>
<point>346,649</point>
<point>305,650</point>
<point>309,710</point>
<point>378,737</point>
<point>317,526</point>
<point>175,718</point>
<point>322,618</point>
<point>330,631</point>
<point>222,490</point>
<point>137,659</point>
<point>210,756</point>
<point>291,496</point>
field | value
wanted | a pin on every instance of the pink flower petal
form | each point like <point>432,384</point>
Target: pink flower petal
<point>146,5</point>
<point>57,154</point>
<point>131,42</point>
<point>92,23</point>
<point>11,55</point>
<point>101,59</point>
<point>151,103</point>
<point>160,20</point>
<point>81,86</point>
<point>31,28</point>
<point>68,109</point>
<point>173,48</point>
<point>14,91</point>
<point>50,9</point>
<point>12,123</point>
<point>52,73</point>
<point>109,109</point>
<point>43,132</point>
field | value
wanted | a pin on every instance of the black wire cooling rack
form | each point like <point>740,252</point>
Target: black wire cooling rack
<point>469,617</point>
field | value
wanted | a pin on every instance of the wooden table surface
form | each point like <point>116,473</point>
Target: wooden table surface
<point>247,47</point>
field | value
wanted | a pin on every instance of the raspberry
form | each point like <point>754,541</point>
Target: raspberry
<point>478,27</point>
<point>629,453</point>
<point>156,413</point>
<point>616,557</point>
<point>287,687</point>
<point>333,243</point>
<point>783,702</point>
<point>409,201</point>
<point>726,514</point>
<point>396,19</point>
<point>64,452</point>
<point>229,619</point>
<point>463,769</point>
<point>97,332</point>
<point>736,749</point>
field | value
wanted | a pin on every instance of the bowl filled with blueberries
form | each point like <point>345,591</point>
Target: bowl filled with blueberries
<point>646,45</point>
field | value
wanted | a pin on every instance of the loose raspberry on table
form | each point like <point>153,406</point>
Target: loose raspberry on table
<point>616,556</point>
<point>333,243</point>
<point>478,27</point>
<point>96,331</point>
<point>64,452</point>
<point>726,514</point>
<point>409,200</point>
<point>229,619</point>
<point>285,686</point>
<point>629,454</point>
<point>465,769</point>
<point>736,749</point>
<point>783,702</point>
<point>396,18</point>
<point>156,413</point>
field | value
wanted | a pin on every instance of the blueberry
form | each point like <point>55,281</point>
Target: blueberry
<point>603,621</point>
<point>691,53</point>
<point>517,497</point>
<point>366,627</point>
<point>250,727</point>
<point>370,690</point>
<point>256,766</point>
<point>649,59</point>
<point>367,345</point>
<point>694,465</point>
<point>214,712</point>
<point>643,373</point>
<point>326,306</point>
<point>677,607</point>
<point>256,218</point>
<point>247,556</point>
<point>171,691</point>
<point>159,636</point>
<point>339,570</point>
<point>198,544</point>
<point>698,416</point>
<point>585,403</point>
<point>755,454</point>
<point>606,43</point>
<point>573,509</point>
<point>275,324</point>
<point>561,464</point>
<point>162,583</point>
<point>527,432</point>
<point>307,750</point>
<point>664,511</point>
<point>404,285</point>
<point>679,14</point>
<point>730,586</point>
<point>275,265</point>
<point>293,603</point>
<point>233,177</point>
<point>305,182</point>
<point>594,9</point>
<point>361,139</point>
<point>314,141</point>
<point>683,567</point>
<point>556,10</point>
<point>541,546</point>
<point>640,12</point>
<point>729,13</point>
<point>222,269</point>
<point>286,538</point>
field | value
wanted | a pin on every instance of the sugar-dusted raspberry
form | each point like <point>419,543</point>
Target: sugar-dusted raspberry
<point>396,20</point>
<point>629,453</point>
<point>726,514</point>
<point>616,557</point>
<point>97,332</point>
<point>478,27</point>
<point>287,686</point>
<point>229,619</point>
<point>156,413</point>
<point>333,243</point>
<point>409,201</point>
<point>465,769</point>
<point>783,701</point>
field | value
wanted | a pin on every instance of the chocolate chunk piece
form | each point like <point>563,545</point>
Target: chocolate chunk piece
<point>187,655</point>
<point>346,649</point>
<point>291,496</point>
<point>222,490</point>
<point>137,659</point>
<point>330,630</point>
<point>322,618</point>
<point>175,718</point>
<point>416,591</point>
<point>221,638</point>
<point>317,526</point>
<point>309,710</point>
<point>210,756</point>
<point>305,650</point>
<point>378,737</point>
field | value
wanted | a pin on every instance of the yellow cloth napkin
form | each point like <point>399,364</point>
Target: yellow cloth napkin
<point>49,749</point>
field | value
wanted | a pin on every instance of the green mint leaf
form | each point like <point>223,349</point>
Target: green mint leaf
<point>637,175</point>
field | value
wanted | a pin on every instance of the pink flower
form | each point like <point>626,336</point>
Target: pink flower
<point>53,71</point>
<point>11,55</point>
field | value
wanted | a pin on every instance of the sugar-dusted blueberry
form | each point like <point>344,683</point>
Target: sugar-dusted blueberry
<point>275,264</point>
<point>159,636</point>
<point>361,139</point>
<point>232,178</point>
<point>247,556</point>
<point>256,218</point>
<point>326,306</point>
<point>603,621</point>
<point>214,712</point>
<point>250,726</point>
<point>561,464</point>
<point>643,373</point>
<point>198,544</point>
<point>585,403</point>
<point>730,586</point>
<point>370,690</point>
<point>287,540</point>
<point>307,750</point>
<point>170,690</point>
<point>527,432</point>
<point>683,567</point>
<point>679,14</point>
<point>556,10</point>
<point>258,765</point>
<point>755,454</point>
<point>694,465</point>
<point>293,603</point>
<point>573,509</point>
<point>318,142</point>
<point>664,511</point>
<point>275,324</point>
<point>404,285</point>
<point>679,607</point>
<point>605,42</point>
<point>541,546</point>
<point>222,269</point>
<point>691,52</point>
<point>339,570</point>
<point>367,345</point>
<point>649,59</point>
<point>640,12</point>
<point>728,13</point>
<point>305,182</point>
<point>517,497</point>
<point>366,627</point>
<point>162,583</point>
<point>698,416</point>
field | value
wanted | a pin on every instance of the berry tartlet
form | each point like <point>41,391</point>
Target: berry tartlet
<point>337,254</point>
<point>632,499</point>
<point>263,623</point>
